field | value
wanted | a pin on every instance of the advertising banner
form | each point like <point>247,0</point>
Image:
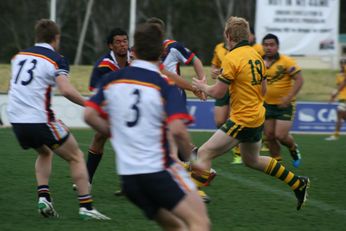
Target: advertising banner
<point>315,118</point>
<point>310,117</point>
<point>304,27</point>
<point>203,112</point>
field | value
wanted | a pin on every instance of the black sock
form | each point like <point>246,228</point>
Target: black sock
<point>92,163</point>
<point>43,191</point>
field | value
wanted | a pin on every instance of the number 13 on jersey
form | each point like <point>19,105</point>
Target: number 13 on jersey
<point>256,66</point>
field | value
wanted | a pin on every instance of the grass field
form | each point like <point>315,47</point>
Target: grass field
<point>242,199</point>
<point>317,87</point>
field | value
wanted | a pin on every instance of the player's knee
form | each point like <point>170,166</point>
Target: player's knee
<point>203,151</point>
<point>202,223</point>
<point>76,156</point>
<point>269,135</point>
<point>281,136</point>
<point>250,161</point>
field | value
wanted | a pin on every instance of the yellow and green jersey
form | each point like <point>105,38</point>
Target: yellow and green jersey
<point>279,78</point>
<point>243,69</point>
<point>220,52</point>
<point>259,48</point>
<point>340,78</point>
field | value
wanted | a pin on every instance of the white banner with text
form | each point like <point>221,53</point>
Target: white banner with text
<point>304,27</point>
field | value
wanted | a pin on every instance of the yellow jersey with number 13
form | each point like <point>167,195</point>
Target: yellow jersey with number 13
<point>244,70</point>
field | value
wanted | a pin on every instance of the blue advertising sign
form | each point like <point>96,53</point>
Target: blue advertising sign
<point>315,118</point>
<point>310,117</point>
<point>203,112</point>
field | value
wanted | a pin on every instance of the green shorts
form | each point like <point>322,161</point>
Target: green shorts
<point>241,133</point>
<point>224,101</point>
<point>273,111</point>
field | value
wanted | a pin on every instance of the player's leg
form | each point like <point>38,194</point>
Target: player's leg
<point>43,168</point>
<point>192,211</point>
<point>273,144</point>
<point>184,201</point>
<point>341,116</point>
<point>34,136</point>
<point>43,165</point>
<point>218,144</point>
<point>221,114</point>
<point>70,152</point>
<point>174,153</point>
<point>95,154</point>
<point>251,158</point>
<point>169,222</point>
<point>285,138</point>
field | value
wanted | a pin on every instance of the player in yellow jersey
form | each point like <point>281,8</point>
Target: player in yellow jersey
<point>340,94</point>
<point>221,109</point>
<point>284,80</point>
<point>243,75</point>
<point>252,40</point>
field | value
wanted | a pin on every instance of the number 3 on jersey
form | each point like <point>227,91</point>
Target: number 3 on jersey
<point>29,71</point>
<point>135,108</point>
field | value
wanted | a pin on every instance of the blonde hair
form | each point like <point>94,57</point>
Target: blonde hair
<point>237,28</point>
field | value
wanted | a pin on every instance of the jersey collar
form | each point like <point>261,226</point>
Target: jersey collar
<point>275,58</point>
<point>45,45</point>
<point>145,65</point>
<point>115,60</point>
<point>241,44</point>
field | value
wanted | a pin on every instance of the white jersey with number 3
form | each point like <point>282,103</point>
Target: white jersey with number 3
<point>140,103</point>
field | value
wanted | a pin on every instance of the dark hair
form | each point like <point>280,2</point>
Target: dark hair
<point>46,31</point>
<point>115,32</point>
<point>271,36</point>
<point>148,40</point>
<point>157,21</point>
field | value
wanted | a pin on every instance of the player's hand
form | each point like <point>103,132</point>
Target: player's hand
<point>285,102</point>
<point>199,94</point>
<point>333,96</point>
<point>199,84</point>
<point>215,72</point>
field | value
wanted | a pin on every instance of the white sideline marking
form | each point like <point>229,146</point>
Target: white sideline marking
<point>310,202</point>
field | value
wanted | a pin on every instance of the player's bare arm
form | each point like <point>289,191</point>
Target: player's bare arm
<point>198,66</point>
<point>217,91</point>
<point>92,118</point>
<point>184,84</point>
<point>182,138</point>
<point>68,91</point>
<point>264,87</point>
<point>298,83</point>
<point>215,71</point>
<point>340,87</point>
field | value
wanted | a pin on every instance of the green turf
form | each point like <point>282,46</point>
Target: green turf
<point>242,199</point>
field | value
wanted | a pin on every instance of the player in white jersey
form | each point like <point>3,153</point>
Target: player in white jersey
<point>174,54</point>
<point>141,105</point>
<point>35,71</point>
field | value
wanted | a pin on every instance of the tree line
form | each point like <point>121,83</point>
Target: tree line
<point>198,24</point>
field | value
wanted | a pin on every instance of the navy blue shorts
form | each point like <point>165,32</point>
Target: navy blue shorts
<point>152,191</point>
<point>52,134</point>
